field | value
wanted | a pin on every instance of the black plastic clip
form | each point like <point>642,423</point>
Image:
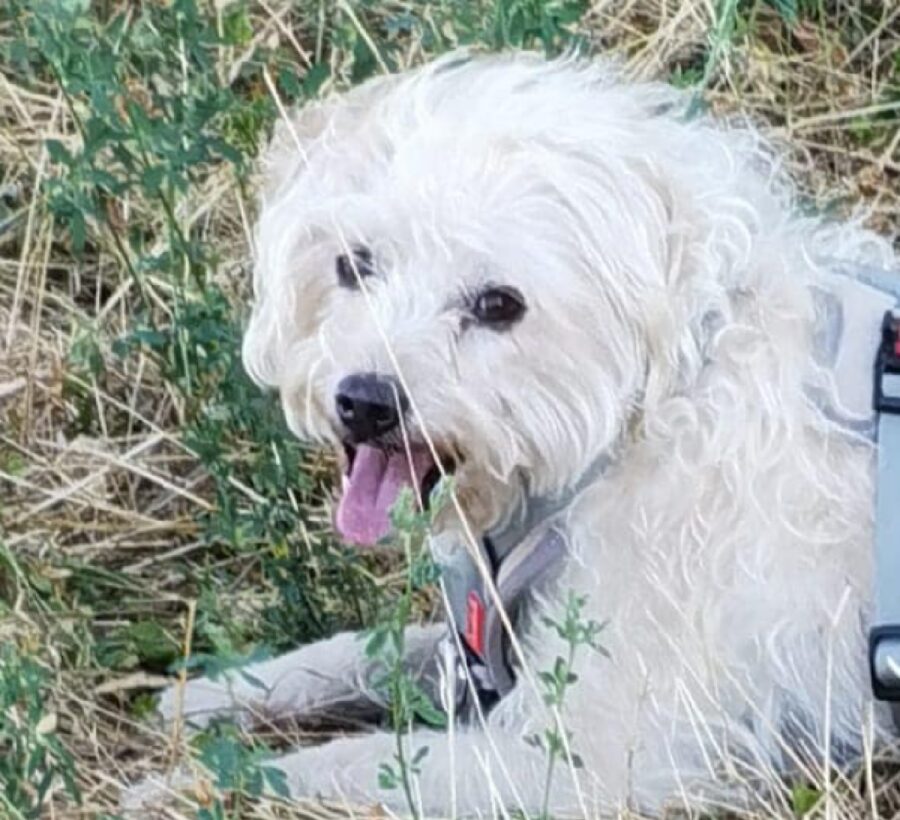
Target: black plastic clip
<point>882,686</point>
<point>885,687</point>
<point>887,363</point>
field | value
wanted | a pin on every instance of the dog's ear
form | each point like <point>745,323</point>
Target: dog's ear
<point>302,143</point>
<point>287,152</point>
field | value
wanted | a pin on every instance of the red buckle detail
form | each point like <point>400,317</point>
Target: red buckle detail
<point>897,346</point>
<point>474,633</point>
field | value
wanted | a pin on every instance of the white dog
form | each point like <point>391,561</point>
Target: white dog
<point>606,318</point>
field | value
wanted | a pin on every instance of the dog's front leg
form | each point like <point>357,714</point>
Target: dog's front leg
<point>330,676</point>
<point>463,771</point>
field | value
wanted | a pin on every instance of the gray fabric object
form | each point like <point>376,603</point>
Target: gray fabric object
<point>537,557</point>
<point>887,527</point>
<point>476,620</point>
<point>884,637</point>
<point>863,335</point>
<point>520,556</point>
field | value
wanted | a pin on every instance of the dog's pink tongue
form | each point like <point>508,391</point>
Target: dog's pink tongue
<point>372,487</point>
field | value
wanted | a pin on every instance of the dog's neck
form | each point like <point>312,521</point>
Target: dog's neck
<point>539,511</point>
<point>535,511</point>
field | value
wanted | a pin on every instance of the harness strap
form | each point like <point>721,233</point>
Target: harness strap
<point>531,562</point>
<point>479,623</point>
<point>538,511</point>
<point>850,305</point>
<point>884,637</point>
<point>521,554</point>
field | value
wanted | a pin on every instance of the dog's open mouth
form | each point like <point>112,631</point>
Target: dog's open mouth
<point>374,479</point>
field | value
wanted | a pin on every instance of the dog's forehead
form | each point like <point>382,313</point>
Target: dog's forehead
<point>447,234</point>
<point>443,208</point>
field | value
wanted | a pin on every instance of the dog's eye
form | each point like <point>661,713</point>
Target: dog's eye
<point>353,266</point>
<point>498,307</point>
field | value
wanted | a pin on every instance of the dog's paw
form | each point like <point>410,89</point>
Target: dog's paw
<point>159,791</point>
<point>199,701</point>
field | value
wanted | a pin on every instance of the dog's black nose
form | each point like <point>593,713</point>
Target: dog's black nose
<point>369,405</point>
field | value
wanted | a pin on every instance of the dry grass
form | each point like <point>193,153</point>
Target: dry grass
<point>105,502</point>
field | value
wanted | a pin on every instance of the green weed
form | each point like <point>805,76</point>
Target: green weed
<point>576,633</point>
<point>385,643</point>
<point>238,769</point>
<point>32,758</point>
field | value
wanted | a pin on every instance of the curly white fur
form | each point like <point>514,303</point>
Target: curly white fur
<point>670,321</point>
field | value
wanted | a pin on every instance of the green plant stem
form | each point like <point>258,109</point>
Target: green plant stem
<point>4,801</point>
<point>169,211</point>
<point>551,761</point>
<point>404,773</point>
<point>548,782</point>
<point>399,700</point>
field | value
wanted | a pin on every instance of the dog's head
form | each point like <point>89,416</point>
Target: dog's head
<point>461,262</point>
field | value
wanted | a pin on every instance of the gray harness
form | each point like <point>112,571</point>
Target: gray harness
<point>868,321</point>
<point>522,555</point>
<point>859,323</point>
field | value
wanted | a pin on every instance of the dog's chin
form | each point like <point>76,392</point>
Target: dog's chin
<point>374,478</point>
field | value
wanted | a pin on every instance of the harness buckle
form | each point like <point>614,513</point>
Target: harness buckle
<point>884,661</point>
<point>886,397</point>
